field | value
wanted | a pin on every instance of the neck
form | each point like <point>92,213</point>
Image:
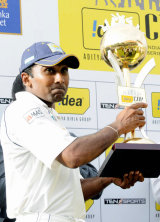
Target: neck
<point>49,104</point>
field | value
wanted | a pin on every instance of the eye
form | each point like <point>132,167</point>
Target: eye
<point>50,70</point>
<point>64,70</point>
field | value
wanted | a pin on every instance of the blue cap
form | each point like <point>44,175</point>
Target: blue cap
<point>47,54</point>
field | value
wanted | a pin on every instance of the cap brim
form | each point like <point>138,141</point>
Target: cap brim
<point>70,60</point>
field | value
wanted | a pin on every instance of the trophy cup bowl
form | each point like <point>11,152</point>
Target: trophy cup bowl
<point>129,47</point>
<point>127,43</point>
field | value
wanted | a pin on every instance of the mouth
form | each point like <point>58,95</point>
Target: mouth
<point>59,90</point>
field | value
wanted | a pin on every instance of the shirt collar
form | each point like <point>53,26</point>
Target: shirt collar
<point>29,96</point>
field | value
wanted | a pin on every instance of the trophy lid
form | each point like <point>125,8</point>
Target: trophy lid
<point>121,33</point>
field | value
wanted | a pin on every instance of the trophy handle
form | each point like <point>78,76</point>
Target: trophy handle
<point>115,65</point>
<point>144,72</point>
<point>143,133</point>
<point>139,81</point>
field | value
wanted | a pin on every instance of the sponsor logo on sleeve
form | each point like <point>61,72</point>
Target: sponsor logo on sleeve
<point>33,114</point>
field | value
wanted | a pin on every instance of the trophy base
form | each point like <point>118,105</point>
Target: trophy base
<point>131,157</point>
<point>139,141</point>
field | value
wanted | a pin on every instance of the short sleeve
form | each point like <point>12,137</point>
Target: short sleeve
<point>44,137</point>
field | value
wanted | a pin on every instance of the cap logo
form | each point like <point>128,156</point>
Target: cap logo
<point>28,59</point>
<point>54,48</point>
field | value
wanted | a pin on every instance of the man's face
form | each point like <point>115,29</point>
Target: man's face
<point>49,83</point>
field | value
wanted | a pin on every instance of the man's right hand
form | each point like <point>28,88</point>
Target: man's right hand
<point>130,118</point>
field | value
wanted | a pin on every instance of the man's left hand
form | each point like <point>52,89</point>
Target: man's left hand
<point>129,179</point>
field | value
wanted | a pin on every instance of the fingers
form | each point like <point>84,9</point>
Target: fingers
<point>133,177</point>
<point>122,182</point>
<point>130,118</point>
<point>130,179</point>
<point>136,176</point>
<point>139,112</point>
<point>139,121</point>
<point>138,106</point>
<point>134,117</point>
<point>126,182</point>
<point>141,117</point>
<point>140,176</point>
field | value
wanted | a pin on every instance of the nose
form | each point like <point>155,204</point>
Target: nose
<point>59,78</point>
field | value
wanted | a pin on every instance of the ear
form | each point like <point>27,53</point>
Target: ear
<point>26,79</point>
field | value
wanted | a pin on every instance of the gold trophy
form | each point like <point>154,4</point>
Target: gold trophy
<point>124,47</point>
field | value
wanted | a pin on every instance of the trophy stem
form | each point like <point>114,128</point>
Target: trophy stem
<point>126,76</point>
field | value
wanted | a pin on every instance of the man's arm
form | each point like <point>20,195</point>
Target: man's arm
<point>93,186</point>
<point>85,149</point>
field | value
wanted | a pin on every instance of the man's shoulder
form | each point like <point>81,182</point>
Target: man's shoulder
<point>19,107</point>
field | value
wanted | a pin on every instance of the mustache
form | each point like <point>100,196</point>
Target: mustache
<point>59,87</point>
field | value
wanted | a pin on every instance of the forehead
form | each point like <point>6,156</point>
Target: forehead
<point>41,67</point>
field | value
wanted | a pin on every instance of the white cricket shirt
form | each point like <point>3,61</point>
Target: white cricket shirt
<point>32,136</point>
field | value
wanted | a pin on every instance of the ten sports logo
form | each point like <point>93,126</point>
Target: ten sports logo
<point>76,101</point>
<point>156,104</point>
<point>125,201</point>
<point>5,100</point>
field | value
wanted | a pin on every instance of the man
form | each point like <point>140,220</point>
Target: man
<point>87,171</point>
<point>41,157</point>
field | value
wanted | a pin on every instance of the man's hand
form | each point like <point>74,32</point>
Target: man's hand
<point>92,186</point>
<point>128,179</point>
<point>130,118</point>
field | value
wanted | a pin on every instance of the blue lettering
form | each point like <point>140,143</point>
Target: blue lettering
<point>157,2</point>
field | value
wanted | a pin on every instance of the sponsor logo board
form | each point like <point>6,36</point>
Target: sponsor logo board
<point>76,101</point>
<point>83,35</point>
<point>156,104</point>
<point>10,17</point>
